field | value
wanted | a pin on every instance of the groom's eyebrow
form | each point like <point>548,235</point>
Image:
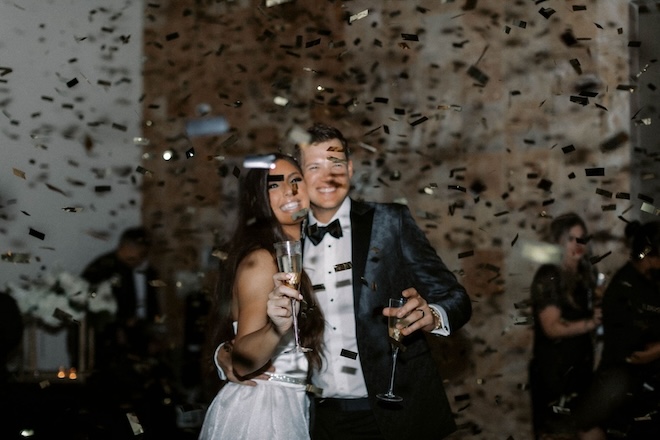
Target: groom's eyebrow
<point>275,178</point>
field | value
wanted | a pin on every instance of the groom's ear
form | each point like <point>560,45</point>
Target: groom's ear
<point>350,168</point>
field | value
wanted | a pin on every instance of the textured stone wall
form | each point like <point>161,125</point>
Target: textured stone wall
<point>487,118</point>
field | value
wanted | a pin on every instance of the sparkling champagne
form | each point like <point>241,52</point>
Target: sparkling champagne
<point>394,332</point>
<point>291,264</point>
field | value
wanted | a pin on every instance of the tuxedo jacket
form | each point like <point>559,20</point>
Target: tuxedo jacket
<point>390,254</point>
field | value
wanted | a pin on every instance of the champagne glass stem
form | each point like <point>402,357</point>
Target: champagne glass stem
<point>294,315</point>
<point>395,352</point>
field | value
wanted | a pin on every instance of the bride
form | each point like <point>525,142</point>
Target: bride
<point>273,206</point>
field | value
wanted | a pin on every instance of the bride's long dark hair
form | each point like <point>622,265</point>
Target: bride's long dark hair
<point>258,228</point>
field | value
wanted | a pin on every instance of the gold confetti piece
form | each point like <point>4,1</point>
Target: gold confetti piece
<point>336,159</point>
<point>279,100</point>
<point>358,16</point>
<point>15,258</point>
<point>300,214</point>
<point>53,188</point>
<point>140,141</point>
<point>368,147</point>
<point>72,209</point>
<point>157,283</point>
<point>647,207</point>
<point>270,3</point>
<point>219,254</point>
<point>540,253</point>
<point>19,173</point>
<point>136,426</point>
<point>143,171</point>
<point>455,107</point>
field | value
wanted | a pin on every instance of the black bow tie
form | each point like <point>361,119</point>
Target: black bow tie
<point>315,232</point>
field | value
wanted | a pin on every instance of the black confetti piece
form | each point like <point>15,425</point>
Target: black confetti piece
<point>594,171</point>
<point>568,149</point>
<point>604,193</point>
<point>546,12</point>
<point>569,39</point>
<point>72,82</point>
<point>478,75</point>
<point>419,121</point>
<point>614,142</point>
<point>348,354</point>
<point>410,37</point>
<point>465,254</point>
<point>37,234</point>
<point>544,184</point>
<point>172,36</point>
<point>580,100</point>
<point>645,198</point>
<point>576,66</point>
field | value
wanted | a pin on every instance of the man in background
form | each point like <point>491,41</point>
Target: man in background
<point>128,270</point>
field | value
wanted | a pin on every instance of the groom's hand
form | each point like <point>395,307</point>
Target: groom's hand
<point>225,362</point>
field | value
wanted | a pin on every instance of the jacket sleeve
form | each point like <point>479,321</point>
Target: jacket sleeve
<point>432,279</point>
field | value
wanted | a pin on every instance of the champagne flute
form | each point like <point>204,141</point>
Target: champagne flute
<point>395,342</point>
<point>289,260</point>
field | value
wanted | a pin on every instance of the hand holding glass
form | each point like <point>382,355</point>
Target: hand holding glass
<point>395,339</point>
<point>289,260</point>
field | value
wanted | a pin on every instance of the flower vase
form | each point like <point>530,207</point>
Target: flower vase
<point>82,346</point>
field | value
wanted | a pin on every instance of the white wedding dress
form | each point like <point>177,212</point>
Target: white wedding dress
<point>276,409</point>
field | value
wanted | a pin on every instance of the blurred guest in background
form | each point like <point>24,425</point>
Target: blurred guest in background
<point>11,331</point>
<point>132,370</point>
<point>138,308</point>
<point>565,321</point>
<point>625,393</point>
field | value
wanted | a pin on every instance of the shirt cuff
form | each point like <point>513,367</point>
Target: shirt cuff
<point>444,329</point>
<point>218,368</point>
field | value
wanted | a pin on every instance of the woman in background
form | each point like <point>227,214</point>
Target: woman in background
<point>627,381</point>
<point>564,323</point>
<point>273,206</point>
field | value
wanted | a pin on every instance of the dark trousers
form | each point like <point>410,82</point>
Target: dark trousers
<point>343,419</point>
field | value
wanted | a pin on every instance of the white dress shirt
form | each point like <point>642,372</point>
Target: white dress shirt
<point>328,266</point>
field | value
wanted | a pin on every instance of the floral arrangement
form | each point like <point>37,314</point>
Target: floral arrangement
<point>56,299</point>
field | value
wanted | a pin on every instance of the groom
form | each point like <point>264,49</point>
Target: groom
<point>375,252</point>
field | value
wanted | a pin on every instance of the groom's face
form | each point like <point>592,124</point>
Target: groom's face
<point>327,174</point>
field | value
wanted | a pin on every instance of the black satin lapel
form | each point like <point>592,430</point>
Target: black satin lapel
<point>361,221</point>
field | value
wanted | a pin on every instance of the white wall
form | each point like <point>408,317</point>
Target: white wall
<point>63,136</point>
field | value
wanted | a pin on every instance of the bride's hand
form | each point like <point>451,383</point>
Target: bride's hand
<point>279,303</point>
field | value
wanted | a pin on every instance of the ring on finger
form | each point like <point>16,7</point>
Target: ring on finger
<point>423,314</point>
